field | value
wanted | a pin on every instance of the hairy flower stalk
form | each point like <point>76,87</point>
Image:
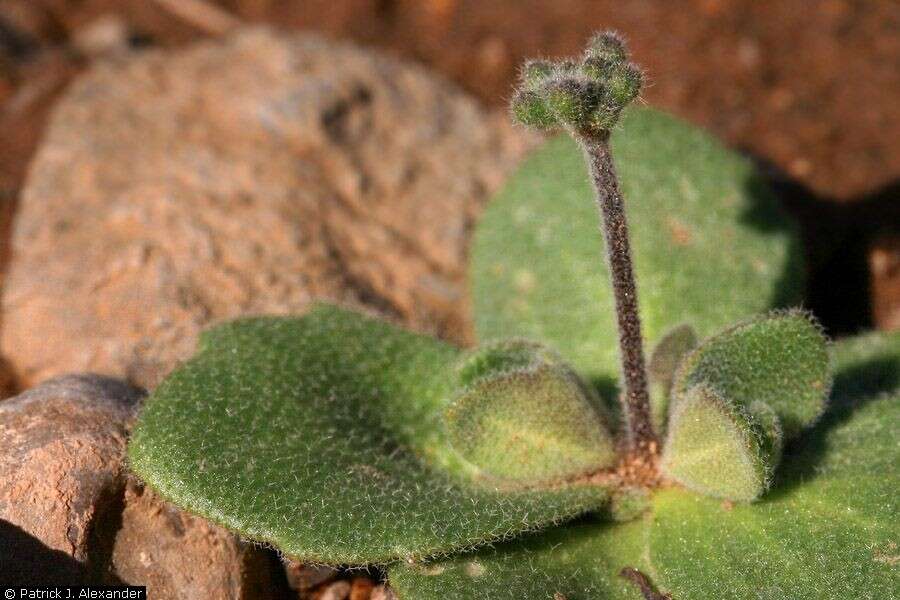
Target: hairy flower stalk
<point>586,98</point>
<point>618,249</point>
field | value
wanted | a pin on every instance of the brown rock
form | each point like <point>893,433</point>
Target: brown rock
<point>178,556</point>
<point>61,456</point>
<point>67,517</point>
<point>884,266</point>
<point>177,189</point>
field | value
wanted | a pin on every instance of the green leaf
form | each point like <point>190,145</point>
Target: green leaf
<point>502,356</point>
<point>528,426</point>
<point>779,359</point>
<point>710,244</point>
<point>626,504</point>
<point>718,448</point>
<point>664,361</point>
<point>826,531</point>
<point>581,561</point>
<point>864,366</point>
<point>498,356</point>
<point>523,417</point>
<point>322,435</point>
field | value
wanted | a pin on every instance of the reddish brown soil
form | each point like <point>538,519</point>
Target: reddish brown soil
<point>805,84</point>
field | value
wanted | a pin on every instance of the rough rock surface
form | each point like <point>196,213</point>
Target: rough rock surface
<point>173,190</point>
<point>68,517</point>
<point>61,456</point>
<point>178,556</point>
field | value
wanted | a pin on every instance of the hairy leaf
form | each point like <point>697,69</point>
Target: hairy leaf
<point>710,244</point>
<point>581,561</point>
<point>498,356</point>
<point>779,359</point>
<point>865,365</point>
<point>528,426</point>
<point>323,436</point>
<point>718,448</point>
<point>661,368</point>
<point>502,356</point>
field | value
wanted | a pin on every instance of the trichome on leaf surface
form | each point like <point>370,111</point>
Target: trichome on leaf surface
<point>745,458</point>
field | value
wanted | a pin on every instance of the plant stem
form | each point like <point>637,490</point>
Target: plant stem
<point>618,250</point>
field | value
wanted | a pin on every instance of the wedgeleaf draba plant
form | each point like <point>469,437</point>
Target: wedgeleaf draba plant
<point>341,439</point>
